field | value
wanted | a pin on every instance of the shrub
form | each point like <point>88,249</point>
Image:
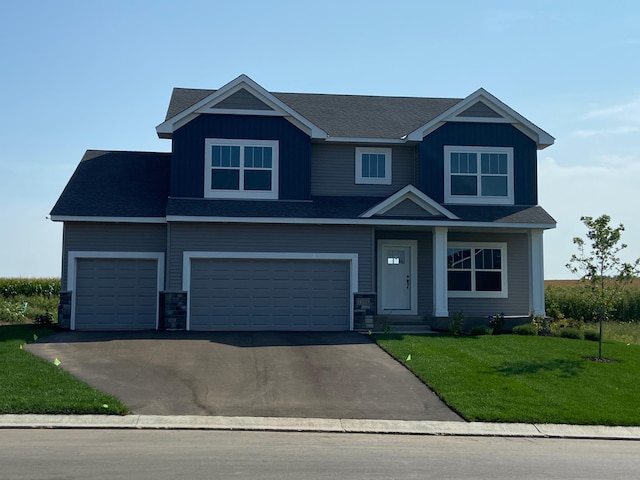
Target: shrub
<point>480,330</point>
<point>591,335</point>
<point>526,329</point>
<point>456,322</point>
<point>571,332</point>
<point>12,312</point>
<point>497,323</point>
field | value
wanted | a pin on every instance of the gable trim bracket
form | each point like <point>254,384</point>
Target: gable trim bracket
<point>506,115</point>
<point>207,105</point>
<point>411,193</point>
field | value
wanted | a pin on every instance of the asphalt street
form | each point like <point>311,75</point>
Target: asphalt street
<point>168,454</point>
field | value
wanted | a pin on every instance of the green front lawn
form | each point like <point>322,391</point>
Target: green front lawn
<point>31,385</point>
<point>511,378</point>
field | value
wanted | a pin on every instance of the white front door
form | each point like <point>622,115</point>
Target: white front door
<point>397,279</point>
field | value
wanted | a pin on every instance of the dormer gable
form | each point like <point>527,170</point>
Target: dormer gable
<point>409,201</point>
<point>483,107</point>
<point>241,96</point>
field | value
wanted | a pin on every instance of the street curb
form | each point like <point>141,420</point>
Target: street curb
<point>326,425</point>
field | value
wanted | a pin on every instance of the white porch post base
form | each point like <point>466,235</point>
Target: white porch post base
<point>440,298</point>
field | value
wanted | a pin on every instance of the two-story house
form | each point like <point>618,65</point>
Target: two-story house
<point>273,209</point>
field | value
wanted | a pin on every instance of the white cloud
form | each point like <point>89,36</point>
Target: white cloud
<point>621,130</point>
<point>571,192</point>
<point>629,110</point>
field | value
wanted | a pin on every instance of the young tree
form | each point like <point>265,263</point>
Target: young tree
<point>606,275</point>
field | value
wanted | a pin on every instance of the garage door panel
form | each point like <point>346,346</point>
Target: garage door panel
<point>243,294</point>
<point>116,294</point>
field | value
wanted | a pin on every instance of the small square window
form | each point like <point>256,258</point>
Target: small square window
<point>373,165</point>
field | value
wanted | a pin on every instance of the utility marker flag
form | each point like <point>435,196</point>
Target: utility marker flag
<point>408,358</point>
<point>57,362</point>
<point>35,337</point>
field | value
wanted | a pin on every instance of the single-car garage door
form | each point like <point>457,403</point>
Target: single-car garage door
<point>269,294</point>
<point>116,294</point>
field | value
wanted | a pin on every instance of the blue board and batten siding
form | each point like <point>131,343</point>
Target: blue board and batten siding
<point>431,156</point>
<point>187,163</point>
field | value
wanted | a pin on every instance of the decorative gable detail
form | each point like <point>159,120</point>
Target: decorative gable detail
<point>409,202</point>
<point>480,110</point>
<point>241,96</point>
<point>481,106</point>
<point>241,100</point>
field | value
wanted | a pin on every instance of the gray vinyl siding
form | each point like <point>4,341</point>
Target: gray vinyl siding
<point>517,275</point>
<point>111,237</point>
<point>243,100</point>
<point>333,171</point>
<point>406,208</point>
<point>480,110</point>
<point>425,264</point>
<point>269,238</point>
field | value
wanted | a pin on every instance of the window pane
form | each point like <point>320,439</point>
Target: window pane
<point>494,186</point>
<point>225,179</point>
<point>502,164</point>
<point>365,165</point>
<point>455,162</point>
<point>248,156</point>
<point>488,281</point>
<point>472,162</point>
<point>464,185</point>
<point>215,156</point>
<point>373,166</point>
<point>257,157</point>
<point>267,157</point>
<point>485,160</point>
<point>235,156</point>
<point>459,281</point>
<point>257,180</point>
<point>381,172</point>
<point>226,156</point>
<point>458,258</point>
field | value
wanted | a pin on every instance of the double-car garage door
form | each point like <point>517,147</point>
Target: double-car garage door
<point>225,294</point>
<point>269,294</point>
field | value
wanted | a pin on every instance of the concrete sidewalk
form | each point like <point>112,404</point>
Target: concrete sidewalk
<point>416,427</point>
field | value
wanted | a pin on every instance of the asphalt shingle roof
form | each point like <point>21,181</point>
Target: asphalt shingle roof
<point>117,184</point>
<point>354,116</point>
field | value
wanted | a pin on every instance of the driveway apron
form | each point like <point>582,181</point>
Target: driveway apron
<point>264,374</point>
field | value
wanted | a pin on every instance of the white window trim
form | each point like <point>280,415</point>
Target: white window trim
<point>387,166</point>
<point>241,193</point>
<point>478,199</point>
<point>504,292</point>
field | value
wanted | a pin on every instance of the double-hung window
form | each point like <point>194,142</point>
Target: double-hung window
<point>241,168</point>
<point>477,270</point>
<point>478,175</point>
<point>373,165</point>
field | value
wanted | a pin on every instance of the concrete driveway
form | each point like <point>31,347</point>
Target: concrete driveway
<point>323,375</point>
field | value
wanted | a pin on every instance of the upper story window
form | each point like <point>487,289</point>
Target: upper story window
<point>373,165</point>
<point>478,175</point>
<point>241,168</point>
<point>477,270</point>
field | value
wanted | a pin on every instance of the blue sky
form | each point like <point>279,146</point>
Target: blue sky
<point>95,74</point>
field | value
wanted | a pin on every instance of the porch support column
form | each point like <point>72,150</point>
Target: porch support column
<point>440,298</point>
<point>536,290</point>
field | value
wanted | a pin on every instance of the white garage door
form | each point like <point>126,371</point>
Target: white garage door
<point>269,294</point>
<point>116,294</point>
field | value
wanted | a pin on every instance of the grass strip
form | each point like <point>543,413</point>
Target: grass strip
<point>510,378</point>
<point>29,384</point>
